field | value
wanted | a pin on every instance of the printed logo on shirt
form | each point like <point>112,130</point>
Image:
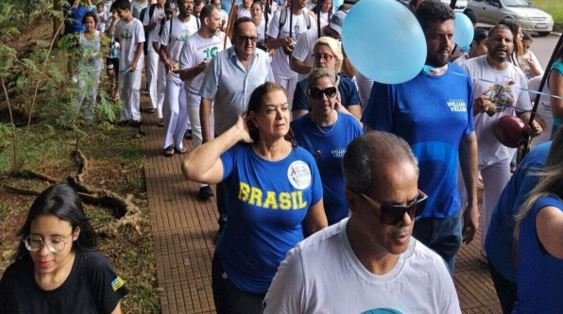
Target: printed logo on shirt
<point>117,283</point>
<point>182,37</point>
<point>270,199</point>
<point>457,106</point>
<point>126,34</point>
<point>501,95</point>
<point>299,175</point>
<point>338,153</point>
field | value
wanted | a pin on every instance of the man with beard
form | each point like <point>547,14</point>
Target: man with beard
<point>433,113</point>
<point>228,81</point>
<point>286,26</point>
<point>175,33</point>
<point>194,58</point>
<point>368,258</point>
<point>500,89</point>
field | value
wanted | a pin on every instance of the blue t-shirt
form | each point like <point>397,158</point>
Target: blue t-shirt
<point>347,89</point>
<point>433,114</point>
<point>328,145</point>
<point>540,275</point>
<point>557,122</point>
<point>73,22</point>
<point>267,203</point>
<point>498,243</point>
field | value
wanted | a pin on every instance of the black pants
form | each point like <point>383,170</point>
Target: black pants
<point>228,298</point>
<point>506,290</point>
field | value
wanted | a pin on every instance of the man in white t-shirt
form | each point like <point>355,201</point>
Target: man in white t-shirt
<point>175,34</point>
<point>370,261</point>
<point>500,89</point>
<point>194,58</point>
<point>131,37</point>
<point>284,30</point>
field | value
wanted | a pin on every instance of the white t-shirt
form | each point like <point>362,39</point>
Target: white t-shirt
<point>195,51</point>
<point>323,275</point>
<point>137,7</point>
<point>157,16</point>
<point>544,110</point>
<point>242,12</point>
<point>181,31</point>
<point>303,50</point>
<point>280,61</point>
<point>507,89</point>
<point>461,59</point>
<point>129,35</point>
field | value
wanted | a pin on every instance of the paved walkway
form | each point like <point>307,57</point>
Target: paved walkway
<point>183,230</point>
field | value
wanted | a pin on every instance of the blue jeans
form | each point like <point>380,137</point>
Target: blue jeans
<point>442,235</point>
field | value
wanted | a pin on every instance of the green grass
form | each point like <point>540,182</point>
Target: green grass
<point>555,8</point>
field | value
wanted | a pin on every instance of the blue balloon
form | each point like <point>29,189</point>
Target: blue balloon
<point>463,35</point>
<point>384,41</point>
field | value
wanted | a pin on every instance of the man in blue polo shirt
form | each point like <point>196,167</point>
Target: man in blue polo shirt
<point>433,113</point>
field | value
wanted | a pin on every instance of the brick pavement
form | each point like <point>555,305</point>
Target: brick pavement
<point>183,230</point>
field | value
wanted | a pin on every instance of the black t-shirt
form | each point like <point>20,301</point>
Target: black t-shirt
<point>91,287</point>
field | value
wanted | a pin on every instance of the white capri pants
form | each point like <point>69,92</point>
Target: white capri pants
<point>175,112</point>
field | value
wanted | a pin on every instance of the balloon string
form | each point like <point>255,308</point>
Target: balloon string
<point>532,91</point>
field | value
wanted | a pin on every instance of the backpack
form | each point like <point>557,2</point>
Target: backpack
<point>283,19</point>
<point>142,18</point>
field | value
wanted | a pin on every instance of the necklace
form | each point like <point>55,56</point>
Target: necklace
<point>325,130</point>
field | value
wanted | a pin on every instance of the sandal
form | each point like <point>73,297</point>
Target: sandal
<point>168,151</point>
<point>181,151</point>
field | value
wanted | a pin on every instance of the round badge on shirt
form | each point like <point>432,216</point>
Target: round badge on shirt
<point>299,175</point>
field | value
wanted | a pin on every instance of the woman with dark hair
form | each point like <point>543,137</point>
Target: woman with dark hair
<point>325,132</point>
<point>274,198</point>
<point>259,18</point>
<point>324,7</point>
<point>527,65</point>
<point>56,267</point>
<point>89,65</point>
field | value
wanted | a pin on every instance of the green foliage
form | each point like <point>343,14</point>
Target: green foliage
<point>6,134</point>
<point>555,8</point>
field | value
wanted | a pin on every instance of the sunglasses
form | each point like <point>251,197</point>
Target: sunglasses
<point>390,214</point>
<point>317,93</point>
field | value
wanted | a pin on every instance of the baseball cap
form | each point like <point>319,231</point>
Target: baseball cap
<point>336,21</point>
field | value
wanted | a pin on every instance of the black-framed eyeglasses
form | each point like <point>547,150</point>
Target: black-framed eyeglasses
<point>34,243</point>
<point>391,214</point>
<point>247,38</point>
<point>317,93</point>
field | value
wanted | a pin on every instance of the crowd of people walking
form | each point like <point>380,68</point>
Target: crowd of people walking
<point>328,200</point>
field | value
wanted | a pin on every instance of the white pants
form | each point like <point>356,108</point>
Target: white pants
<point>129,91</point>
<point>152,76</point>
<point>175,113</point>
<point>289,84</point>
<point>161,89</point>
<point>193,118</point>
<point>495,178</point>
